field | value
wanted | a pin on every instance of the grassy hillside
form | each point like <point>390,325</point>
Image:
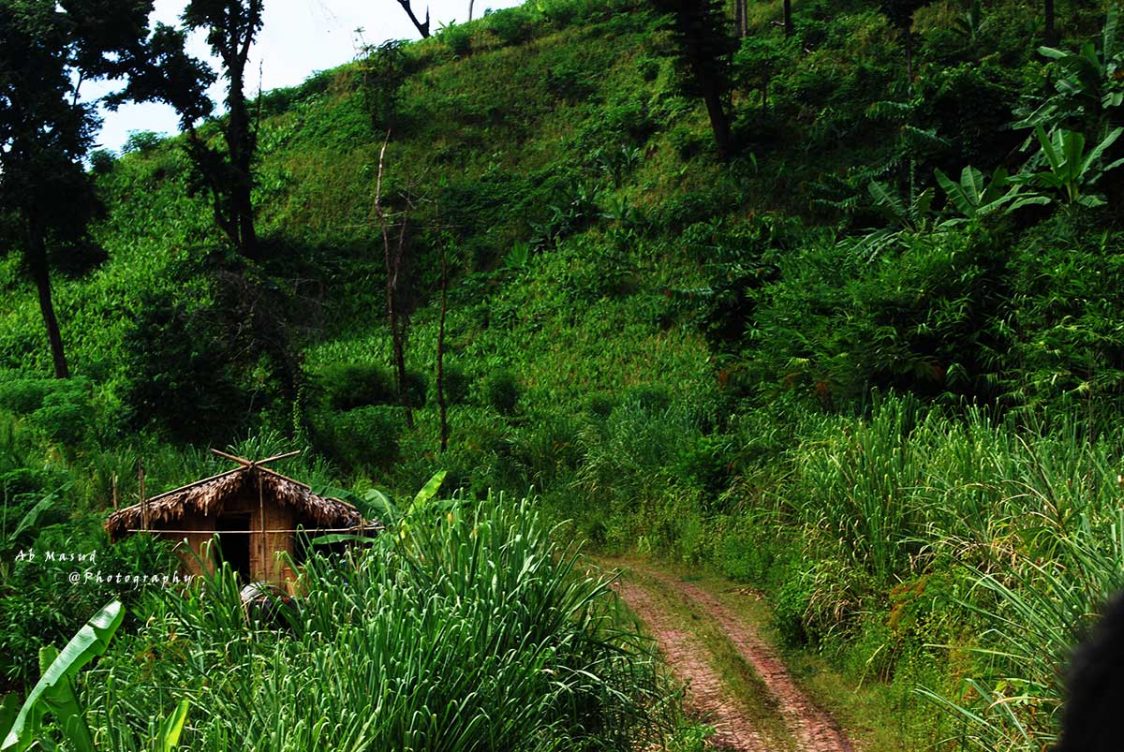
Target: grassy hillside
<point>818,367</point>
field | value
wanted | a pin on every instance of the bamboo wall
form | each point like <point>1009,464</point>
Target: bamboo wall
<point>265,548</point>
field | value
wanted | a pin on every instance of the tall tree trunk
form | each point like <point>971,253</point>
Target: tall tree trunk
<point>789,27</point>
<point>398,322</point>
<point>40,273</point>
<point>719,122</point>
<point>398,326</point>
<point>742,18</point>
<point>441,406</point>
<point>239,140</point>
<point>1051,29</point>
<point>470,4</point>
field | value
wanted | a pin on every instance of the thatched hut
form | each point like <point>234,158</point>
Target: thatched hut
<point>257,513</point>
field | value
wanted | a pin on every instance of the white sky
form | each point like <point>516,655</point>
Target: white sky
<point>299,37</point>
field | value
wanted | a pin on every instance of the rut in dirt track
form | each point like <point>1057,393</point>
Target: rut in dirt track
<point>687,657</point>
<point>813,729</point>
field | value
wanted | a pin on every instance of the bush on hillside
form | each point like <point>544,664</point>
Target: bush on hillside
<point>457,385</point>
<point>361,439</point>
<point>502,392</point>
<point>23,396</point>
<point>512,25</point>
<point>183,373</point>
<point>346,386</point>
<point>458,38</point>
<point>1068,348</point>
<point>65,416</point>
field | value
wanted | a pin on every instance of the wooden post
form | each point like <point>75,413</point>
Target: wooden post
<point>144,497</point>
<point>264,550</point>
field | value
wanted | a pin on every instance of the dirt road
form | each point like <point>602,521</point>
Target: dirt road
<point>671,610</point>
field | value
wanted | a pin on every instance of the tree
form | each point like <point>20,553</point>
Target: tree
<point>705,48</point>
<point>231,26</point>
<point>741,20</point>
<point>47,50</point>
<point>170,75</point>
<point>394,258</point>
<point>1051,28</point>
<point>789,27</point>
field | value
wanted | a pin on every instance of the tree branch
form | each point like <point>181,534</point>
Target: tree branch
<point>423,28</point>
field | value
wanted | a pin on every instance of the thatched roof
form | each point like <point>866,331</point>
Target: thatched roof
<point>208,497</point>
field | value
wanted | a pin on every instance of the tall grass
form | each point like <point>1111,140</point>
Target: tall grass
<point>1025,521</point>
<point>475,632</point>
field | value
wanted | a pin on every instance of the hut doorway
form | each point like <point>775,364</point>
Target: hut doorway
<point>234,543</point>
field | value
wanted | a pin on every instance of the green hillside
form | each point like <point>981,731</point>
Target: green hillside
<point>871,365</point>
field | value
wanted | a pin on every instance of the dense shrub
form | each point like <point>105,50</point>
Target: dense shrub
<point>183,373</point>
<point>971,106</point>
<point>61,409</point>
<point>24,396</point>
<point>1068,347</point>
<point>65,416</point>
<point>458,38</point>
<point>502,392</point>
<point>457,385</point>
<point>363,438</point>
<point>512,25</point>
<point>837,325</point>
<point>346,386</point>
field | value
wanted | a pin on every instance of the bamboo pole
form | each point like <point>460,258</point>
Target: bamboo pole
<point>144,499</point>
<point>278,457</point>
<point>250,463</point>
<point>240,460</point>
<point>261,536</point>
<point>189,486</point>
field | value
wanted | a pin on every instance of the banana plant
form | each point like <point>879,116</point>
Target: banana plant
<point>976,197</point>
<point>54,694</point>
<point>913,216</point>
<point>398,520</point>
<point>1070,169</point>
<point>9,539</point>
<point>1089,85</point>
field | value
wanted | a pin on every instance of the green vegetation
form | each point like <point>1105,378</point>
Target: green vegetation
<point>866,357</point>
<point>474,632</point>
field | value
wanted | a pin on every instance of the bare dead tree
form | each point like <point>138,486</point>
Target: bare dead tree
<point>393,252</point>
<point>423,28</point>
<point>441,406</point>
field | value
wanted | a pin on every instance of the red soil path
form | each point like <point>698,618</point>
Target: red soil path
<point>812,728</point>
